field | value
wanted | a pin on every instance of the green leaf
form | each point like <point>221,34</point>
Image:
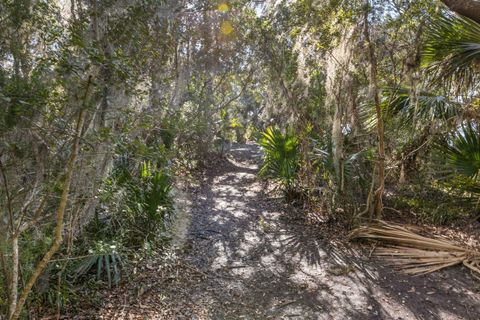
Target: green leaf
<point>452,51</point>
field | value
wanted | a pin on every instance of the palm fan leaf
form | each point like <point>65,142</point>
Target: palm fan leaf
<point>429,106</point>
<point>399,110</point>
<point>280,155</point>
<point>324,158</point>
<point>415,254</point>
<point>462,150</point>
<point>459,157</point>
<point>452,50</point>
<point>105,258</point>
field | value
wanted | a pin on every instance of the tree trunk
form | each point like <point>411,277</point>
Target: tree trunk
<point>352,87</point>
<point>14,276</point>
<point>339,72</point>
<point>466,8</point>
<point>402,179</point>
<point>337,144</point>
<point>375,202</point>
<point>4,263</point>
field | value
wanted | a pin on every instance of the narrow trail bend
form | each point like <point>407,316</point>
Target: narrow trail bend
<point>243,258</point>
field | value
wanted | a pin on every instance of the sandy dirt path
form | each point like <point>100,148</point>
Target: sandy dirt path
<point>245,257</point>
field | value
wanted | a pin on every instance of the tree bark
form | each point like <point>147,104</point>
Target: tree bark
<point>4,263</point>
<point>337,144</point>
<point>352,92</point>
<point>338,73</point>
<point>14,276</point>
<point>466,8</point>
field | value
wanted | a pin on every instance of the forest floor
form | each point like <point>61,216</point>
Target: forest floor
<point>244,256</point>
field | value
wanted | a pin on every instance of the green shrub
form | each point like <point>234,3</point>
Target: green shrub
<point>148,202</point>
<point>137,202</point>
<point>280,157</point>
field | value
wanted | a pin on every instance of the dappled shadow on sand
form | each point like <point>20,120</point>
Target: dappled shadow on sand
<point>249,261</point>
<point>269,267</point>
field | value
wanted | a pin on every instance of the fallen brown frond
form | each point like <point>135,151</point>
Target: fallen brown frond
<point>416,254</point>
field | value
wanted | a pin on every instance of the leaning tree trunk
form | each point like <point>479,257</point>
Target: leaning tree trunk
<point>58,231</point>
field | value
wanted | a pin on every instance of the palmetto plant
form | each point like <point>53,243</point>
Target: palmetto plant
<point>428,106</point>
<point>280,156</point>
<point>352,169</point>
<point>156,193</point>
<point>461,149</point>
<point>105,259</point>
<point>400,111</point>
<point>144,195</point>
<point>452,51</point>
<point>149,200</point>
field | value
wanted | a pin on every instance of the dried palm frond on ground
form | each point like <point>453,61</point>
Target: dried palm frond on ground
<point>416,254</point>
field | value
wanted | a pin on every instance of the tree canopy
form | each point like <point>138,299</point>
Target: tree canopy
<point>108,107</point>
